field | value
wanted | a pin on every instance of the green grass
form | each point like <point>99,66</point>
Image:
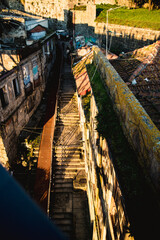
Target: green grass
<point>86,105</point>
<point>141,18</point>
<point>80,8</point>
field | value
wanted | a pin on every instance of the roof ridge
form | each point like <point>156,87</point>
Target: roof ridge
<point>153,53</point>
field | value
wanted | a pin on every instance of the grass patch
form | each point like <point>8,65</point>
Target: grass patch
<point>140,200</point>
<point>86,105</point>
<point>141,18</point>
<point>80,8</point>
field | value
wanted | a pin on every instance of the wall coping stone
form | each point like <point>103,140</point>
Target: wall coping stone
<point>135,120</point>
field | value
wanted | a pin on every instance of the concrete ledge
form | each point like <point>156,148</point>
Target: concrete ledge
<point>138,127</point>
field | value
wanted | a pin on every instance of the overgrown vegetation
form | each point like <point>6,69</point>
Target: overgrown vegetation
<point>140,17</point>
<point>139,196</point>
<point>86,105</point>
<point>80,8</point>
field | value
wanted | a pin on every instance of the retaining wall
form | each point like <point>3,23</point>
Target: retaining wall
<point>122,38</point>
<point>138,127</point>
<point>125,38</point>
<point>106,205</point>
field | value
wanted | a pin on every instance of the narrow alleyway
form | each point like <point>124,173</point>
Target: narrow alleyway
<point>68,202</point>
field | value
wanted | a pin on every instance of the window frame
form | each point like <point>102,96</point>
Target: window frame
<point>5,97</point>
<point>16,87</point>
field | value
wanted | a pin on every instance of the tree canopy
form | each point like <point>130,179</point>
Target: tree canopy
<point>152,3</point>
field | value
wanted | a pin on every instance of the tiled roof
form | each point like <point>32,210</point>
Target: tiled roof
<point>142,67</point>
<point>81,76</point>
<point>38,28</point>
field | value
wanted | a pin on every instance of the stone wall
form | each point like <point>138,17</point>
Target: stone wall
<point>55,10</point>
<point>126,38</point>
<point>13,4</point>
<point>21,91</point>
<point>120,38</point>
<point>127,3</point>
<point>106,204</point>
<point>138,127</point>
<point>84,20</point>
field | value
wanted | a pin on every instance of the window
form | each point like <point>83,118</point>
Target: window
<point>16,87</point>
<point>48,49</point>
<point>26,79</point>
<point>26,75</point>
<point>4,96</point>
<point>35,70</point>
<point>51,45</point>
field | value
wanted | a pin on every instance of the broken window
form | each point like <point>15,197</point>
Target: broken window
<point>16,87</point>
<point>4,96</point>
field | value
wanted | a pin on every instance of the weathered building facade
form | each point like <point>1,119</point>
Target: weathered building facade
<point>21,91</point>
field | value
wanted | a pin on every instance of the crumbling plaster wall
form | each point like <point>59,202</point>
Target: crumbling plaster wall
<point>16,114</point>
<point>18,111</point>
<point>8,59</point>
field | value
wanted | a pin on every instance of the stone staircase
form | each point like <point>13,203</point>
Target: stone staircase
<point>68,202</point>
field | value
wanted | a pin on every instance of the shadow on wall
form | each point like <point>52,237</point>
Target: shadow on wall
<point>14,4</point>
<point>118,41</point>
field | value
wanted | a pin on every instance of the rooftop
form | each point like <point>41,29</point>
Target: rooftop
<point>38,28</point>
<point>140,70</point>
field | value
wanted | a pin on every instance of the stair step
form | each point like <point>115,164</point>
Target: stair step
<point>62,190</point>
<point>68,163</point>
<point>62,215</point>
<point>68,167</point>
<point>68,148</point>
<point>65,228</point>
<point>59,175</point>
<point>62,185</point>
<point>63,180</point>
<point>62,159</point>
<point>67,154</point>
<point>64,221</point>
<point>57,210</point>
<point>68,118</point>
<point>67,124</point>
<point>62,156</point>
